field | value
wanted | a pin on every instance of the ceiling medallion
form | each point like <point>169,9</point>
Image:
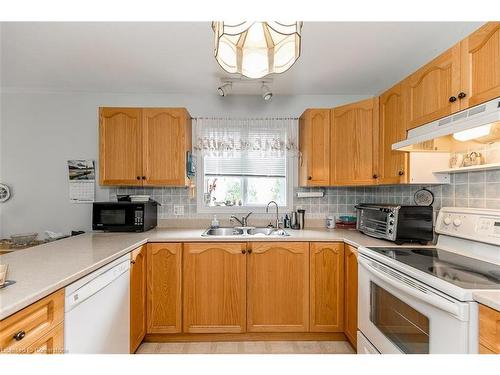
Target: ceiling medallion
<point>256,49</point>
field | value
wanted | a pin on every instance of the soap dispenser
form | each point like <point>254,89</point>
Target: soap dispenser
<point>215,222</point>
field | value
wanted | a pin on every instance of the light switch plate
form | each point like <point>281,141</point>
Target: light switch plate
<point>178,210</point>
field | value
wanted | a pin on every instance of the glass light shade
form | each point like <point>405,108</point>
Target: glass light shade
<point>256,49</point>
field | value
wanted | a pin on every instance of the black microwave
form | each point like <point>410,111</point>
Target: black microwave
<point>124,216</point>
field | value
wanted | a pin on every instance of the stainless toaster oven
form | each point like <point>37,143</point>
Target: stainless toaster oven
<point>397,223</point>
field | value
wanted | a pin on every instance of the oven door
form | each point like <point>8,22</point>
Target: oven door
<point>398,314</point>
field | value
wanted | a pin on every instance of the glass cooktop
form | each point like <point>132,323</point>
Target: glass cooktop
<point>462,271</point>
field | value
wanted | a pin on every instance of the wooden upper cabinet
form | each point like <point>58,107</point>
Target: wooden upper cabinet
<point>120,146</point>
<point>351,294</point>
<point>144,146</point>
<point>432,91</point>
<point>166,141</point>
<point>138,272</point>
<point>354,142</point>
<point>164,288</point>
<point>314,143</point>
<point>214,287</point>
<point>481,65</point>
<point>278,287</point>
<point>327,287</point>
<point>392,165</point>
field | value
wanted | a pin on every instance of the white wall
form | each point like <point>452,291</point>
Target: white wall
<point>40,131</point>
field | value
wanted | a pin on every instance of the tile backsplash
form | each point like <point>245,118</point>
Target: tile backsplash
<point>470,189</point>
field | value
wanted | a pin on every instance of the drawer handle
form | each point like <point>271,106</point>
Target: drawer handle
<point>19,336</point>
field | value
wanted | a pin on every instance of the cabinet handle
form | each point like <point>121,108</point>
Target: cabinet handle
<point>138,177</point>
<point>375,176</point>
<point>309,178</point>
<point>143,177</point>
<point>452,99</point>
<point>462,95</point>
<point>249,251</point>
<point>243,251</point>
<point>132,261</point>
<point>19,336</point>
<point>401,173</point>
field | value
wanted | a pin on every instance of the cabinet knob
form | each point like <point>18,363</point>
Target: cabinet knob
<point>132,261</point>
<point>462,95</point>
<point>249,251</point>
<point>138,177</point>
<point>309,178</point>
<point>452,99</point>
<point>143,177</point>
<point>375,176</point>
<point>19,336</point>
<point>243,251</point>
<point>401,173</point>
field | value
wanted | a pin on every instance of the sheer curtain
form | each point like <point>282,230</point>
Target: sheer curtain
<point>230,137</point>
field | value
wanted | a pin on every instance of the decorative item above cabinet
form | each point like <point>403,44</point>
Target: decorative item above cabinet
<point>144,146</point>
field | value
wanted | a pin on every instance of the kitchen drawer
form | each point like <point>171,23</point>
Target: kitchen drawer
<point>50,343</point>
<point>489,328</point>
<point>32,323</point>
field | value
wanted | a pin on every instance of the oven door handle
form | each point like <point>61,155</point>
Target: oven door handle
<point>431,297</point>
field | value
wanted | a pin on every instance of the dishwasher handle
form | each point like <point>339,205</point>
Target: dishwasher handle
<point>95,285</point>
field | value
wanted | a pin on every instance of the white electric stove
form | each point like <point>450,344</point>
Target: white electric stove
<point>419,299</point>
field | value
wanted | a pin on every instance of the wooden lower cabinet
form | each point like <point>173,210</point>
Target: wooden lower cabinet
<point>24,330</point>
<point>164,299</point>
<point>215,281</point>
<point>138,288</point>
<point>278,287</point>
<point>50,343</point>
<point>351,293</point>
<point>327,287</point>
<point>489,330</point>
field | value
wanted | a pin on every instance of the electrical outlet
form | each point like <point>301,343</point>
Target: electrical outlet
<point>178,210</point>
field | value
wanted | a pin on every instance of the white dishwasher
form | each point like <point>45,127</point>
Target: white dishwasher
<point>97,311</point>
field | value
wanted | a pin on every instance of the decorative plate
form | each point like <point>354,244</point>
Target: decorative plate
<point>423,197</point>
<point>4,193</point>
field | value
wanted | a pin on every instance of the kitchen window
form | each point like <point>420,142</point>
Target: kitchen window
<point>244,164</point>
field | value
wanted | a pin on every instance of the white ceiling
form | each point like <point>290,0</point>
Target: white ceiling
<point>177,57</point>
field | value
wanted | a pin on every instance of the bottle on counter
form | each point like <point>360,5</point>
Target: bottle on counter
<point>330,222</point>
<point>215,222</point>
<point>287,221</point>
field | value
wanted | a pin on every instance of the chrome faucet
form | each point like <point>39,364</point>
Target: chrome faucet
<point>243,221</point>
<point>277,213</point>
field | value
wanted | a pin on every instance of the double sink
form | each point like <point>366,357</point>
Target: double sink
<point>247,231</point>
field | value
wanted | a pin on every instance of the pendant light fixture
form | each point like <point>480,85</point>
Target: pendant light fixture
<point>256,49</point>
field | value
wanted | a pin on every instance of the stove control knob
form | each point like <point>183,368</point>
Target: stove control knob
<point>391,222</point>
<point>457,222</point>
<point>447,220</point>
<point>390,231</point>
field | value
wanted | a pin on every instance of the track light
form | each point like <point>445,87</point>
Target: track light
<point>266,92</point>
<point>224,89</point>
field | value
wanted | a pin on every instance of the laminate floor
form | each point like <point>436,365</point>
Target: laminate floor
<point>248,347</point>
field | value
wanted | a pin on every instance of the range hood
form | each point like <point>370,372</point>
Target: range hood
<point>479,125</point>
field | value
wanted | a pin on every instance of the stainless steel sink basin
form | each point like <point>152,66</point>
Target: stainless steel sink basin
<point>224,232</point>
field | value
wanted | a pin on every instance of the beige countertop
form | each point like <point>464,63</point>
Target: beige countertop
<point>490,298</point>
<point>41,270</point>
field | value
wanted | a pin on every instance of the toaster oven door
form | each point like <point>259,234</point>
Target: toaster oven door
<point>376,222</point>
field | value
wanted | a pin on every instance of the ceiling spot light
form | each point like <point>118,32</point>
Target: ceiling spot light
<point>225,88</point>
<point>266,92</point>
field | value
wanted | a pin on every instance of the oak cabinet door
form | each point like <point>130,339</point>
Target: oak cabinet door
<point>120,146</point>
<point>327,287</point>
<point>351,293</point>
<point>314,143</point>
<point>164,287</point>
<point>51,343</point>
<point>214,287</point>
<point>432,91</point>
<point>481,65</point>
<point>355,143</point>
<point>138,273</point>
<point>393,165</point>
<point>489,328</point>
<point>166,140</point>
<point>278,287</point>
